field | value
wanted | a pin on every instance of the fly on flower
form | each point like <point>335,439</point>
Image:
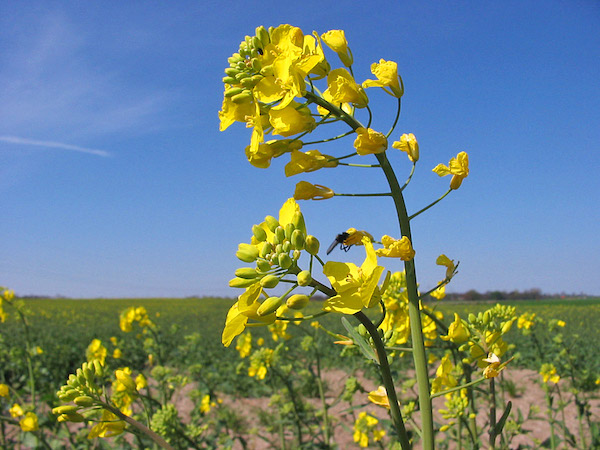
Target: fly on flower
<point>339,239</point>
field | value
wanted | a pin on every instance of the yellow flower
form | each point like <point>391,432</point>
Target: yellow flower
<point>458,168</point>
<point>396,248</point>
<point>244,344</point>
<point>356,286</point>
<point>526,320</point>
<point>341,88</point>
<point>457,331</point>
<point>96,351</point>
<point>365,425</point>
<point>291,120</point>
<point>110,425</point>
<point>493,368</point>
<point>206,404</point>
<point>444,377</point>
<point>117,353</point>
<point>16,410</point>
<point>261,155</point>
<point>560,323</point>
<point>409,145</point>
<point>29,422</point>
<point>140,382</point>
<point>336,41</point>
<point>259,362</point>
<point>355,237</point>
<point>448,263</point>
<point>369,141</point>
<point>4,391</point>
<point>380,397</point>
<point>124,382</point>
<point>308,191</point>
<point>439,293</point>
<point>387,77</point>
<point>308,162</point>
<point>548,373</point>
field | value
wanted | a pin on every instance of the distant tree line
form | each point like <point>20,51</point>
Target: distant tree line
<point>529,294</point>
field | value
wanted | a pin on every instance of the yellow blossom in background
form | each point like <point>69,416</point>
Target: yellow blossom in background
<point>364,426</point>
<point>113,340</point>
<point>396,248</point>
<point>439,293</point>
<point>110,425</point>
<point>260,361</point>
<point>29,422</point>
<point>117,353</point>
<point>526,320</point>
<point>244,344</point>
<point>356,286</point>
<point>458,168</point>
<point>336,41</point>
<point>341,88</point>
<point>308,191</point>
<point>444,377</point>
<point>140,382</point>
<point>457,331</point>
<point>369,141</point>
<point>387,78</point>
<point>206,404</point>
<point>309,161</point>
<point>16,410</point>
<point>278,329</point>
<point>560,323</point>
<point>409,145</point>
<point>96,351</point>
<point>4,390</point>
<point>380,397</point>
<point>549,374</point>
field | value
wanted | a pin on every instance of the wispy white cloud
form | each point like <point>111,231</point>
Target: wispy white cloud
<point>51,144</point>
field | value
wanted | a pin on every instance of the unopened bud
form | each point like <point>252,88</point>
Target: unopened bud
<point>266,249</point>
<point>298,220</point>
<point>304,278</point>
<point>246,272</point>
<point>229,80</point>
<point>247,253</point>
<point>280,234</point>
<point>297,301</point>
<point>233,91</point>
<point>259,233</point>
<point>71,417</point>
<point>272,223</point>
<point>297,239</point>
<point>311,244</point>
<point>472,318</point>
<point>65,409</point>
<point>285,262</point>
<point>98,368</point>
<point>244,97</point>
<point>506,326</point>
<point>486,317</point>
<point>241,282</point>
<point>269,282</point>
<point>84,400</point>
<point>269,306</point>
<point>263,265</point>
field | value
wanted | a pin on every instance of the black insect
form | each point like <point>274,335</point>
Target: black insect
<point>339,239</point>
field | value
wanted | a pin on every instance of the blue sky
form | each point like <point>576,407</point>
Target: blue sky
<point>115,180</point>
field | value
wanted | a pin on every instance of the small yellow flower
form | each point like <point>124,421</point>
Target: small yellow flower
<point>409,145</point>
<point>365,425</point>
<point>29,422</point>
<point>140,382</point>
<point>560,323</point>
<point>117,353</point>
<point>448,263</point>
<point>291,120</point>
<point>96,351</point>
<point>369,141</point>
<point>110,425</point>
<point>355,237</point>
<point>260,156</point>
<point>16,410</point>
<point>309,191</point>
<point>244,344</point>
<point>336,41</point>
<point>549,374</point>
<point>526,320</point>
<point>380,397</point>
<point>457,331</point>
<point>458,168</point>
<point>396,248</point>
<point>493,368</point>
<point>439,293</point>
<point>341,88</point>
<point>308,162</point>
<point>4,391</point>
<point>387,77</point>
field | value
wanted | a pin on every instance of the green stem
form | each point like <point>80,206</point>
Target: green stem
<point>147,431</point>
<point>414,313</point>
<point>430,205</point>
<point>382,194</point>
<point>492,415</point>
<point>388,382</point>
<point>395,119</point>
<point>458,388</point>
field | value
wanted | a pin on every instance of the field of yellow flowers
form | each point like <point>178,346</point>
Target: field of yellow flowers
<point>161,362</point>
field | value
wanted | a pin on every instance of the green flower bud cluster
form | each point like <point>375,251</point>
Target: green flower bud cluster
<point>275,253</point>
<point>82,389</point>
<point>245,69</point>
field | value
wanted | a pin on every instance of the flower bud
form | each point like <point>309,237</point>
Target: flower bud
<point>506,326</point>
<point>311,244</point>
<point>296,254</point>
<point>486,317</point>
<point>263,265</point>
<point>263,35</point>
<point>244,97</point>
<point>233,91</point>
<point>246,273</point>
<point>269,282</point>
<point>269,306</point>
<point>71,417</point>
<point>298,220</point>
<point>230,71</point>
<point>297,301</point>
<point>229,80</point>
<point>98,369</point>
<point>259,233</point>
<point>289,229</point>
<point>297,239</point>
<point>65,409</point>
<point>304,278</point>
<point>247,253</point>
<point>83,400</point>
<point>285,262</point>
<point>280,234</point>
<point>241,282</point>
<point>265,250</point>
<point>286,247</point>
<point>362,330</point>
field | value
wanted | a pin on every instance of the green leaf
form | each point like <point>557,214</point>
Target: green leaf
<point>360,341</point>
<point>500,425</point>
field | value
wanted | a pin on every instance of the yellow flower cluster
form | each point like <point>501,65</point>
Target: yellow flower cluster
<point>134,314</point>
<point>366,426</point>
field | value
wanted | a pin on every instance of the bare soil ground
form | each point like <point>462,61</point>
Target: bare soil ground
<point>529,393</point>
